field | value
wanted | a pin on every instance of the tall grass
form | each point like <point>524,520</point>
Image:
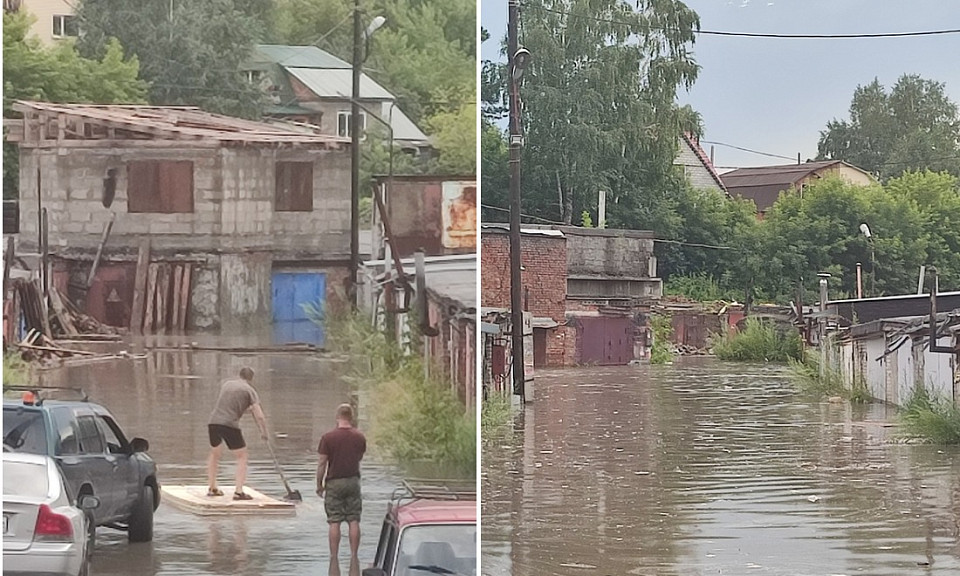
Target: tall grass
<point>932,418</point>
<point>810,379</point>
<point>662,350</point>
<point>417,419</point>
<point>758,342</point>
<point>495,416</point>
<point>15,370</point>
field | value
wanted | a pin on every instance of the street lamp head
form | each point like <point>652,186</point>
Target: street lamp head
<point>865,229</point>
<point>375,25</point>
<point>520,60</point>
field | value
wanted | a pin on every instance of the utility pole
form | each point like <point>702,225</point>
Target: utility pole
<point>355,158</point>
<point>516,310</point>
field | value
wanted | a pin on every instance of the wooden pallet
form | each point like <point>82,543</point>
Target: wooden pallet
<point>194,499</point>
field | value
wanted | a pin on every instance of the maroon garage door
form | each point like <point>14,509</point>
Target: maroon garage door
<point>606,341</point>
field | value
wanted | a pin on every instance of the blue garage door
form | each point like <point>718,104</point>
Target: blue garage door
<point>291,292</point>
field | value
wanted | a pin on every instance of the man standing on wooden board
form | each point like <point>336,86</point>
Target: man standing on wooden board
<point>237,396</point>
<point>338,482</point>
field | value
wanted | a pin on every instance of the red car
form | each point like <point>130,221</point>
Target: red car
<point>428,529</point>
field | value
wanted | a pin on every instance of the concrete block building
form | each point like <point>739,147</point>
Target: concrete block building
<point>260,213</point>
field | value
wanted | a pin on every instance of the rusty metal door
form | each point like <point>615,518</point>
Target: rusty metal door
<point>606,341</point>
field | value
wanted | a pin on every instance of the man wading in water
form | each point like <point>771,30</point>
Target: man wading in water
<point>338,483</point>
<point>237,396</point>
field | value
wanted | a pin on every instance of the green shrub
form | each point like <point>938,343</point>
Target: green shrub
<point>934,419</point>
<point>662,350</point>
<point>495,416</point>
<point>758,342</point>
<point>699,287</point>
<point>417,420</point>
<point>806,375</point>
<point>15,370</point>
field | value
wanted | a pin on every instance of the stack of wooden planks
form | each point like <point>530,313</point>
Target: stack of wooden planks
<point>161,295</point>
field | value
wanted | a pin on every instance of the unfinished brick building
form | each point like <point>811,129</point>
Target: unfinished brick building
<point>589,290</point>
<point>249,220</point>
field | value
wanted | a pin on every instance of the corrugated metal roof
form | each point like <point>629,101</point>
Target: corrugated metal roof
<point>299,56</point>
<point>186,123</point>
<point>405,129</point>
<point>338,83</point>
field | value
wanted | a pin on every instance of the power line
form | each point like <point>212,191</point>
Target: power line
<point>758,34</point>
<point>748,150</point>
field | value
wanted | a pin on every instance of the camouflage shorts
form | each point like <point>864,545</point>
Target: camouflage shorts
<point>342,501</point>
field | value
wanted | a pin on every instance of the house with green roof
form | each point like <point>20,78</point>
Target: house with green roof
<point>309,85</point>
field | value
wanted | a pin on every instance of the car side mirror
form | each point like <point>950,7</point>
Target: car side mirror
<point>373,572</point>
<point>89,502</point>
<point>139,445</point>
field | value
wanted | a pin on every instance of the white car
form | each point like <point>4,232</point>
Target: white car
<point>44,530</point>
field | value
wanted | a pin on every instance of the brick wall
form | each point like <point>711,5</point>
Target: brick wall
<point>544,280</point>
<point>544,277</point>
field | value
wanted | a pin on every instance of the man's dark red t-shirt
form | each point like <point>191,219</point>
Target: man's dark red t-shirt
<point>344,448</point>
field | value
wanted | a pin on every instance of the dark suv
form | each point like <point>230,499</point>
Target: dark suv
<point>93,453</point>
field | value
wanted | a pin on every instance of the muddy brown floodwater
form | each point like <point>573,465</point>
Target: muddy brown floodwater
<point>166,398</point>
<point>712,468</point>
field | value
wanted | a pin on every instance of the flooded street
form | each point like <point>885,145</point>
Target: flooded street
<point>167,399</point>
<point>712,468</point>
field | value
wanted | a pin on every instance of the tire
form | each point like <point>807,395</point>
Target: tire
<point>140,525</point>
<point>91,540</point>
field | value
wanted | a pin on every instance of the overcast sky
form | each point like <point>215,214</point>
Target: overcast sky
<point>776,95</point>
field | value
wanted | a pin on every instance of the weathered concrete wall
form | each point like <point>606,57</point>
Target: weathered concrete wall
<point>233,202</point>
<point>245,295</point>
<point>608,253</point>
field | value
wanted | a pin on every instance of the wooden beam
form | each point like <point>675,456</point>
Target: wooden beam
<point>103,240</point>
<point>61,312</point>
<point>140,286</point>
<point>184,298</point>
<point>175,307</point>
<point>151,298</point>
<point>163,293</point>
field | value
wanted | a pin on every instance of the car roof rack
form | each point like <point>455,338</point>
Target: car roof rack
<point>42,393</point>
<point>422,489</point>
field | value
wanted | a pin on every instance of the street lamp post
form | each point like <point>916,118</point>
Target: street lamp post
<point>873,261</point>
<point>360,38</point>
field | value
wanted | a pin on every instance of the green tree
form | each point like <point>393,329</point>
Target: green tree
<point>599,107</point>
<point>494,174</point>
<point>189,52</point>
<point>820,232</point>
<point>32,71</point>
<point>937,197</point>
<point>913,127</point>
<point>455,138</point>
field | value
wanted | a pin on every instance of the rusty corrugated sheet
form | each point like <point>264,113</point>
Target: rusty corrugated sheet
<point>459,215</point>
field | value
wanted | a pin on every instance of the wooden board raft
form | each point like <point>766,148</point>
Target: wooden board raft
<point>194,499</point>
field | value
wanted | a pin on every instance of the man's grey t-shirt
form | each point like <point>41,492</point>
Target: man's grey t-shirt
<point>236,396</point>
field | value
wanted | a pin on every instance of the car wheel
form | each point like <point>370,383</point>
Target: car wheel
<point>140,525</point>
<point>91,540</point>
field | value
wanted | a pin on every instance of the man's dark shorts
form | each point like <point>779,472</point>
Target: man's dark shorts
<point>342,501</point>
<point>232,436</point>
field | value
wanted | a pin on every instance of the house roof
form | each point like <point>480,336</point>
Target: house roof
<point>137,124</point>
<point>298,57</point>
<point>337,83</point>
<point>695,147</point>
<point>763,184</point>
<point>330,78</point>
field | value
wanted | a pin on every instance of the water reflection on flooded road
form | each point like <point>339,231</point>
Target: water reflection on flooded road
<point>712,468</point>
<point>167,399</point>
